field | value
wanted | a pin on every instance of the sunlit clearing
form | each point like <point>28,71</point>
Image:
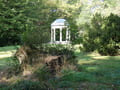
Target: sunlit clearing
<point>101,57</point>
<point>6,54</point>
<point>91,68</point>
<point>86,62</point>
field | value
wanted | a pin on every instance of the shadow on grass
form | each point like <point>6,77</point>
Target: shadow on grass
<point>4,62</point>
<point>104,69</point>
<point>8,48</point>
<point>82,56</point>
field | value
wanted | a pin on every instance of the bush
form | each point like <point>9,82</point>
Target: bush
<point>66,51</point>
<point>35,38</point>
<point>108,51</point>
<point>103,35</point>
<point>89,47</point>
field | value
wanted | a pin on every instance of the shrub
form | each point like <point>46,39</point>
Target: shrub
<point>67,51</point>
<point>106,50</point>
<point>103,35</point>
<point>35,38</point>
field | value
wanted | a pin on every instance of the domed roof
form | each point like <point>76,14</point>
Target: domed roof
<point>60,22</point>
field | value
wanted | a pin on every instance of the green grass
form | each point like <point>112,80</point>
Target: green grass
<point>5,55</point>
<point>4,63</point>
<point>95,72</point>
<point>100,69</point>
<point>8,48</point>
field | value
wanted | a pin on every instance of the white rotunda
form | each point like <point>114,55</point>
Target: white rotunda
<point>58,27</point>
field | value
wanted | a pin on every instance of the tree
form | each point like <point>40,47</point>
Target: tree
<point>12,21</point>
<point>21,16</point>
<point>103,35</point>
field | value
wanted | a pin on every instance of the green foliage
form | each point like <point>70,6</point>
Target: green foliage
<point>74,31</point>
<point>12,21</point>
<point>35,38</point>
<point>29,16</point>
<point>18,16</point>
<point>67,51</point>
<point>103,35</point>
<point>14,67</point>
<point>43,74</point>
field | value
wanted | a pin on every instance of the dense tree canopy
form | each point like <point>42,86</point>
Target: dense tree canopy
<point>12,20</point>
<point>17,17</point>
<point>103,35</point>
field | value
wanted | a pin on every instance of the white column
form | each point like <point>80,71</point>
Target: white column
<point>54,35</point>
<point>51,35</point>
<point>67,35</point>
<point>60,34</point>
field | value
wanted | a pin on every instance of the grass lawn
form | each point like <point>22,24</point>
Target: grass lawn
<point>5,55</point>
<point>95,72</point>
<point>103,71</point>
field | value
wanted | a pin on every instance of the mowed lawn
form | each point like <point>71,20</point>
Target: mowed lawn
<point>5,55</point>
<point>101,72</point>
<point>94,72</point>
